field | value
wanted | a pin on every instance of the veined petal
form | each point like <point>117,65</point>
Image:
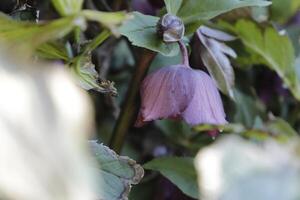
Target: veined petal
<point>206,106</point>
<point>166,93</point>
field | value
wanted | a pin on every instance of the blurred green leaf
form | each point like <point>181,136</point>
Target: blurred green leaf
<point>247,108</point>
<point>294,34</point>
<point>30,35</point>
<point>276,51</point>
<point>122,56</point>
<point>230,128</point>
<point>108,19</point>
<point>278,126</point>
<point>283,10</point>
<point>260,14</point>
<point>173,6</point>
<point>141,31</point>
<point>67,7</point>
<point>194,10</point>
<point>88,78</point>
<point>177,131</point>
<point>52,50</point>
<point>180,171</point>
<point>234,168</point>
<point>118,173</point>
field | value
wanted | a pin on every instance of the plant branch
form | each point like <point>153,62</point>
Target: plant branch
<point>118,4</point>
<point>129,109</point>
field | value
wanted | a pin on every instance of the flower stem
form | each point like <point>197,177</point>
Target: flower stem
<point>129,109</point>
<point>184,53</point>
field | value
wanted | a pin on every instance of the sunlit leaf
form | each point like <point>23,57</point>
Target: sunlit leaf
<point>141,31</point>
<point>31,35</point>
<point>118,173</point>
<point>178,170</point>
<point>276,128</point>
<point>234,169</point>
<point>67,7</point>
<point>44,125</point>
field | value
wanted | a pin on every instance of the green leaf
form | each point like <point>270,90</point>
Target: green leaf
<point>276,51</point>
<point>193,10</point>
<point>52,50</point>
<point>180,171</point>
<point>141,31</point>
<point>30,35</point>
<point>177,132</point>
<point>283,10</point>
<point>108,19</point>
<point>88,78</point>
<point>118,173</point>
<point>247,108</point>
<point>122,56</point>
<point>278,126</point>
<point>294,34</point>
<point>67,7</point>
<point>173,6</point>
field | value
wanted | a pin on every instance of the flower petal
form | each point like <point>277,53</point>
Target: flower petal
<point>206,105</point>
<point>165,93</point>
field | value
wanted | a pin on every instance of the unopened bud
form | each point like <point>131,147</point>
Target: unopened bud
<point>170,28</point>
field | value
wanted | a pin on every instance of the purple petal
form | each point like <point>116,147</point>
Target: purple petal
<point>165,93</point>
<point>206,105</point>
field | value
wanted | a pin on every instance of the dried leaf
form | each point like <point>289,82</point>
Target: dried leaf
<point>88,78</point>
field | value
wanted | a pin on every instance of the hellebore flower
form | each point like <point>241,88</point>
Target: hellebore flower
<point>180,92</point>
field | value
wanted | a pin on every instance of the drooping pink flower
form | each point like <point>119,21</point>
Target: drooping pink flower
<point>180,92</point>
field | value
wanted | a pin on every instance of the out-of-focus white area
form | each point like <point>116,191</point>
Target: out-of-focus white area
<point>45,121</point>
<point>235,169</point>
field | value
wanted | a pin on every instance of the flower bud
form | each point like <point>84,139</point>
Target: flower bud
<point>170,28</point>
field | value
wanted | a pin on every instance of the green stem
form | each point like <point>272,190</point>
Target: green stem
<point>96,41</point>
<point>129,110</point>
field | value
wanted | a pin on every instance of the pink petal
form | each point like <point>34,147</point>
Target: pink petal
<point>206,105</point>
<point>165,93</point>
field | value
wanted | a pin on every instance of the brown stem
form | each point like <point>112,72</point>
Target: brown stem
<point>129,109</point>
<point>117,5</point>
